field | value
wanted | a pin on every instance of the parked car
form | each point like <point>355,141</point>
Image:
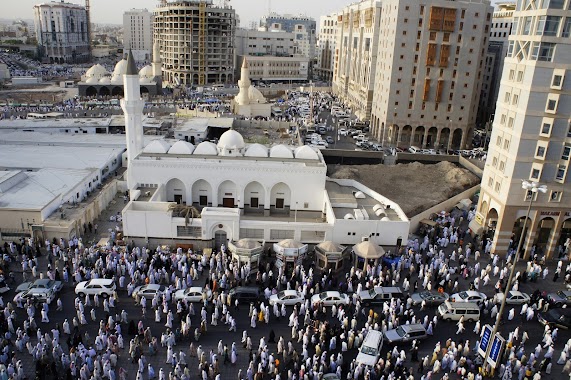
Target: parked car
<point>414,149</point>
<point>342,132</point>
<point>41,284</point>
<point>514,298</point>
<point>330,298</point>
<point>244,294</point>
<point>192,294</point>
<point>405,333</point>
<point>556,318</point>
<point>103,287</point>
<point>287,297</point>
<point>370,349</point>
<point>469,296</point>
<point>560,298</point>
<point>38,295</point>
<point>149,291</point>
<point>329,140</point>
<point>380,294</point>
<point>431,298</point>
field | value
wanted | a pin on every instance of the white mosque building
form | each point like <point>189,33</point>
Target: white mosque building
<point>240,190</point>
<point>249,102</point>
<point>97,81</point>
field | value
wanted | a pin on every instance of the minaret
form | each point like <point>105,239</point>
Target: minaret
<point>243,97</point>
<point>157,64</point>
<point>132,106</point>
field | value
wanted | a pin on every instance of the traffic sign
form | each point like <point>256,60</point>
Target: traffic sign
<point>484,340</point>
<point>496,350</point>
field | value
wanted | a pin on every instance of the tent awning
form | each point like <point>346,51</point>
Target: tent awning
<point>368,250</point>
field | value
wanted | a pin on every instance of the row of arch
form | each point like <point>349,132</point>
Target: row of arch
<point>109,91</point>
<point>192,79</point>
<point>254,196</point>
<point>545,234</point>
<point>420,136</point>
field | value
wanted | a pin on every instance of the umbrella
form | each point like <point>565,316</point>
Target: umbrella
<point>368,250</point>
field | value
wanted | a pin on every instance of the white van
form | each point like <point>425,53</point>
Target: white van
<point>453,311</point>
<point>370,348</point>
<point>414,149</point>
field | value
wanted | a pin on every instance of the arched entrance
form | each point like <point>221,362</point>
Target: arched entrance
<point>418,136</point>
<point>90,91</point>
<point>280,198</point>
<point>104,91</point>
<point>254,197</point>
<point>564,242</point>
<point>544,230</point>
<point>227,194</point>
<point>444,136</point>
<point>431,137</point>
<point>393,134</point>
<point>117,91</point>
<point>176,191</point>
<point>201,193</point>
<point>457,139</point>
<point>405,136</point>
<point>491,221</point>
<point>220,237</point>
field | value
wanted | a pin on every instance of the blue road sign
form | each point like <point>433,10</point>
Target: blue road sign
<point>485,340</point>
<point>495,350</point>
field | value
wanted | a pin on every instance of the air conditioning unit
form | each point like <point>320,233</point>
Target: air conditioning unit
<point>365,238</point>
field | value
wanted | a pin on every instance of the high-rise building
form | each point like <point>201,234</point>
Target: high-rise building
<point>326,45</point>
<point>500,29</point>
<point>357,42</point>
<point>197,42</point>
<point>138,33</point>
<point>62,32</point>
<point>303,27</point>
<point>531,135</point>
<point>429,71</point>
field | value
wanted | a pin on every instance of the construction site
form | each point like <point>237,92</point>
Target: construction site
<point>197,41</point>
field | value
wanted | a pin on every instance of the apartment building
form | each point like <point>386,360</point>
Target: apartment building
<point>263,42</point>
<point>303,27</point>
<point>138,34</point>
<point>267,68</point>
<point>429,71</point>
<point>531,136</point>
<point>500,29</point>
<point>326,47</point>
<point>197,42</point>
<point>357,43</point>
<point>62,32</point>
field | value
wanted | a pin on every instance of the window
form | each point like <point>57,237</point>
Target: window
<point>530,195</point>
<point>546,127</point>
<point>507,144</point>
<point>519,76</point>
<point>561,170</point>
<point>526,25</point>
<point>542,51</point>
<point>540,152</point>
<point>254,202</point>
<point>507,97</point>
<point>511,122</point>
<point>558,78</point>
<point>566,27</point>
<point>535,173</point>
<point>566,151</point>
<point>552,101</point>
<point>502,165</point>
<point>498,186</point>
<point>499,141</point>
<point>503,119</point>
<point>495,162</point>
<point>491,182</point>
<point>555,196</point>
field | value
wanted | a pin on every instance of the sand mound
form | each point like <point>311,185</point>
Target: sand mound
<point>414,186</point>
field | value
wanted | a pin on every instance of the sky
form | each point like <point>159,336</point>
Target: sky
<point>111,11</point>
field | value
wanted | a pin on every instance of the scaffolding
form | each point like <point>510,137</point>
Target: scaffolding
<point>202,43</point>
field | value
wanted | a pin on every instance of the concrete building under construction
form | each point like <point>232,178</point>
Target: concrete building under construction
<point>197,41</point>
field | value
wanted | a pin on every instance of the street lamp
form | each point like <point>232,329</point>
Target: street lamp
<point>534,188</point>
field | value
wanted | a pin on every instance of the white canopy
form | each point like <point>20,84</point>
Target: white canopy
<point>290,247</point>
<point>329,246</point>
<point>368,250</point>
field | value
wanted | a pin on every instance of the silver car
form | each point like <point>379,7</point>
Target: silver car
<point>431,298</point>
<point>405,333</point>
<point>287,297</point>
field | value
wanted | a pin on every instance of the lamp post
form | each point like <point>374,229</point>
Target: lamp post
<point>534,188</point>
<point>295,213</point>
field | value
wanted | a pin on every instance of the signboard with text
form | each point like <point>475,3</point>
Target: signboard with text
<point>484,340</point>
<point>496,350</point>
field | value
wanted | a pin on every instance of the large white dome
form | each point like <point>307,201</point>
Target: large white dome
<point>231,140</point>
<point>105,80</point>
<point>181,147</point>
<point>146,72</point>
<point>305,153</point>
<point>96,71</point>
<point>281,151</point>
<point>256,150</point>
<point>206,148</point>
<point>120,67</point>
<point>157,147</point>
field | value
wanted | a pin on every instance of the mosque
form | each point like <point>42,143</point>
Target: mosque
<point>97,81</point>
<point>214,193</point>
<point>249,102</point>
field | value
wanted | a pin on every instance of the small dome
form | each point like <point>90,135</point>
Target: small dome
<point>120,67</point>
<point>256,150</point>
<point>206,148</point>
<point>231,140</point>
<point>146,72</point>
<point>255,95</point>
<point>92,80</point>
<point>305,153</point>
<point>281,151</point>
<point>181,147</point>
<point>96,71</point>
<point>105,80</point>
<point>157,147</point>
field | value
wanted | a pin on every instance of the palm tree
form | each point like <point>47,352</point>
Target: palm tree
<point>187,212</point>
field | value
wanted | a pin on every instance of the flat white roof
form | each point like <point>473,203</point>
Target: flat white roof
<point>64,139</point>
<point>40,188</point>
<point>202,123</point>
<point>56,157</point>
<point>90,122</point>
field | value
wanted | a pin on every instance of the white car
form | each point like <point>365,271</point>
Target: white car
<point>343,132</point>
<point>103,287</point>
<point>287,297</point>
<point>192,294</point>
<point>330,298</point>
<point>514,298</point>
<point>39,295</point>
<point>149,291</point>
<point>469,296</point>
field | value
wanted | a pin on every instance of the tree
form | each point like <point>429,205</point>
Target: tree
<point>187,212</point>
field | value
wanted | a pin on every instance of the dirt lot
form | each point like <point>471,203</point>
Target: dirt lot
<point>415,186</point>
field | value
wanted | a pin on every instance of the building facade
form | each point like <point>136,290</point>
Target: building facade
<point>531,135</point>
<point>327,42</point>
<point>304,29</point>
<point>263,42</point>
<point>196,41</point>
<point>62,32</point>
<point>277,69</point>
<point>429,72</point>
<point>138,33</point>
<point>500,29</point>
<point>358,32</point>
